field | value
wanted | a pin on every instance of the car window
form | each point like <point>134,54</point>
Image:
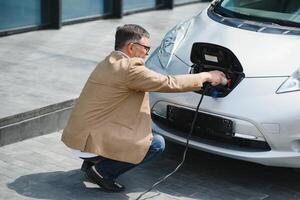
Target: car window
<point>283,12</point>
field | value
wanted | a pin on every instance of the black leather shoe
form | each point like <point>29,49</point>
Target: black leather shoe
<point>105,184</point>
<point>86,165</point>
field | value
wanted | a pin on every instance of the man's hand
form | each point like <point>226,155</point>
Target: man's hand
<point>216,77</point>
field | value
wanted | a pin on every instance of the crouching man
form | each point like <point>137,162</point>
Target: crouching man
<point>110,126</point>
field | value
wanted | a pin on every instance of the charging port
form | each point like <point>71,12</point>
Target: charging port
<point>207,57</point>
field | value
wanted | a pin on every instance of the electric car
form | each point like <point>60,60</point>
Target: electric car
<point>254,117</point>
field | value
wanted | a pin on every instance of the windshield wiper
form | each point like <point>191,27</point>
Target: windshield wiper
<point>222,11</point>
<point>230,14</point>
<point>277,22</point>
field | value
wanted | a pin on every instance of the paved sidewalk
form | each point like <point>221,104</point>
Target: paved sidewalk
<point>43,168</point>
<point>43,72</point>
<point>46,67</point>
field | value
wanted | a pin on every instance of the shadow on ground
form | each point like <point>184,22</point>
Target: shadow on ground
<point>203,176</point>
<point>59,185</point>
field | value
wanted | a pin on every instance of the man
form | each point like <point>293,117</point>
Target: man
<point>110,126</point>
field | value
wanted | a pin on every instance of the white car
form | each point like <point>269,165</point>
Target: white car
<point>256,115</point>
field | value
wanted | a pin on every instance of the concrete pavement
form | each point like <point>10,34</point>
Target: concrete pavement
<point>45,67</point>
<point>43,168</point>
<point>42,72</point>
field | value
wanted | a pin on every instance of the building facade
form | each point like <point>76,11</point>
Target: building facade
<point>26,15</point>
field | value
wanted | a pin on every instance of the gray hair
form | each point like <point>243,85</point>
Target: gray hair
<point>129,33</point>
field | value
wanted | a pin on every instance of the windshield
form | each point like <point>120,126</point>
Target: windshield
<point>283,12</point>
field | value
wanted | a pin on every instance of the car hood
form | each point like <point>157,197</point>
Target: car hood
<point>260,54</point>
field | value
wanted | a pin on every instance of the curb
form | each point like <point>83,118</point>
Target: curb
<point>34,123</point>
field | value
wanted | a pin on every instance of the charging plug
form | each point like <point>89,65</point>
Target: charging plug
<point>214,91</point>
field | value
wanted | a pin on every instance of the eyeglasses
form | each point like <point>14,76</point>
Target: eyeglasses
<point>147,48</point>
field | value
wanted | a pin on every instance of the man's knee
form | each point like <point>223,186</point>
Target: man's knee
<point>158,143</point>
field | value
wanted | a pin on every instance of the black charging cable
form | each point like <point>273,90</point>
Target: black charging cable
<point>206,86</point>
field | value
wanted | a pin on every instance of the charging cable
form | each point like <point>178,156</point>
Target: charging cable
<point>205,88</point>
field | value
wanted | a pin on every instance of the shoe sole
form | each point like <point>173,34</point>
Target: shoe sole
<point>102,186</point>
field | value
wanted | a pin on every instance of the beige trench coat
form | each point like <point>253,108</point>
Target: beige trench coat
<point>112,115</point>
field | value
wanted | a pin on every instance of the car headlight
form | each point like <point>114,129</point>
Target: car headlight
<point>171,41</point>
<point>291,84</point>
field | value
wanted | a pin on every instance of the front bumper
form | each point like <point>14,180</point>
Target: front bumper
<point>269,158</point>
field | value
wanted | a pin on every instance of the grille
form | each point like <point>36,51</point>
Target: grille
<point>233,143</point>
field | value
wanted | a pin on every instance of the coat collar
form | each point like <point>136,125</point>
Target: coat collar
<point>120,53</point>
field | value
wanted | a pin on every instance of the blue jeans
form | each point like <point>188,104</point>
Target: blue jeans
<point>112,169</point>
